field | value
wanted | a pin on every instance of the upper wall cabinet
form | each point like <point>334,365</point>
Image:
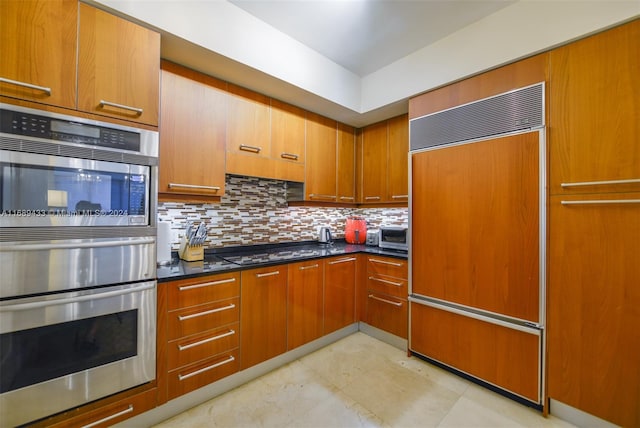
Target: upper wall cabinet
<point>192,135</point>
<point>346,164</point>
<point>320,177</point>
<point>118,67</point>
<point>287,132</point>
<point>46,30</point>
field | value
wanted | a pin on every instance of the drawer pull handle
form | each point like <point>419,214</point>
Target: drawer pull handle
<point>136,110</point>
<point>200,314</point>
<point>308,267</point>
<point>291,156</point>
<point>206,284</point>
<point>193,186</point>
<point>384,262</point>
<point>400,197</point>
<point>262,275</point>
<point>313,195</point>
<point>373,278</point>
<point>335,262</point>
<point>108,418</point>
<point>372,198</point>
<point>44,89</point>
<point>348,198</point>
<point>600,183</point>
<point>207,340</point>
<point>602,201</point>
<point>398,304</point>
<point>252,149</point>
<point>202,370</point>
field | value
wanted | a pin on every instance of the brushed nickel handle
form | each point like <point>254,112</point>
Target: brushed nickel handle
<point>104,103</point>
<point>262,275</point>
<point>600,183</point>
<point>384,262</point>
<point>335,262</point>
<point>44,89</point>
<point>193,186</point>
<point>602,201</point>
<point>252,149</point>
<point>207,340</point>
<point>110,417</point>
<point>314,195</point>
<point>201,314</point>
<point>372,198</point>
<point>308,267</point>
<point>398,304</point>
<point>206,284</point>
<point>373,278</point>
<point>351,198</point>
<point>202,370</point>
<point>291,156</point>
<point>400,197</point>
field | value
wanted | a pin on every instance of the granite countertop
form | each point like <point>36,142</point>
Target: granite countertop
<point>247,257</point>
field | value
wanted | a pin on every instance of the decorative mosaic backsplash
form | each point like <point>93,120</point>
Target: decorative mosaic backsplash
<point>255,211</point>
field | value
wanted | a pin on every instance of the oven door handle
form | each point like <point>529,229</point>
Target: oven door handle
<point>96,296</point>
<point>71,245</point>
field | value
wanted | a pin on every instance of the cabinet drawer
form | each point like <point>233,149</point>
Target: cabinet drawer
<point>387,266</point>
<point>203,317</point>
<point>387,285</point>
<point>203,373</point>
<point>197,291</point>
<point>198,347</point>
<point>387,313</point>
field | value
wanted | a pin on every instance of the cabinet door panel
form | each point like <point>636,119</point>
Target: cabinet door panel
<point>387,313</point>
<point>195,376</point>
<point>594,127</point>
<point>374,163</point>
<point>249,123</point>
<point>475,237</point>
<point>263,319</point>
<point>339,293</point>
<point>118,62</point>
<point>304,303</point>
<point>320,176</point>
<point>202,317</point>
<point>47,31</point>
<point>287,132</point>
<point>398,181</point>
<point>197,291</point>
<point>346,185</point>
<point>194,348</point>
<point>593,315</point>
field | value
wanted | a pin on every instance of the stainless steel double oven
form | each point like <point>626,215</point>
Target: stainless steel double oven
<point>77,261</point>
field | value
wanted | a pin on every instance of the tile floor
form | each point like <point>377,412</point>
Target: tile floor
<point>360,381</point>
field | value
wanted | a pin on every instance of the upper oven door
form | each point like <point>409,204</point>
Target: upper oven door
<point>38,190</point>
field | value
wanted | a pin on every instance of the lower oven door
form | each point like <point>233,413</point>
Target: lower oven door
<point>59,351</point>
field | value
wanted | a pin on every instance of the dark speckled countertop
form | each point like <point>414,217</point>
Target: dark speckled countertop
<point>240,258</point>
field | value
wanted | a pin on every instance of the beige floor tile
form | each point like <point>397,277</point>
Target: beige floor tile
<point>468,413</point>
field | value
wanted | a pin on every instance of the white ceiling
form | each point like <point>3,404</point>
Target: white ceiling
<point>366,35</point>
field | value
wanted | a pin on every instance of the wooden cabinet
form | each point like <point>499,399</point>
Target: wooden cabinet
<point>249,128</point>
<point>594,226</point>
<point>117,61</point>
<point>497,354</point>
<point>383,162</point>
<point>346,164</point>
<point>47,30</point>
<point>118,67</point>
<point>201,338</point>
<point>192,135</point>
<point>339,292</point>
<point>320,175</point>
<point>287,132</point>
<point>387,292</point>
<point>593,116</point>
<point>264,314</point>
<point>478,204</point>
<point>305,298</point>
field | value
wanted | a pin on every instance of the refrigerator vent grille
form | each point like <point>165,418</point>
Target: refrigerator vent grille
<point>517,110</point>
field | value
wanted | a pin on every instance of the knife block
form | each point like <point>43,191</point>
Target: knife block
<point>190,253</point>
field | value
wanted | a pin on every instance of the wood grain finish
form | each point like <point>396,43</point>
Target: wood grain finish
<point>387,313</point>
<point>398,164</point>
<point>477,239</point>
<point>192,134</point>
<point>287,132</point>
<point>506,78</point>
<point>197,291</point>
<point>47,31</point>
<point>118,62</point>
<point>374,163</point>
<point>346,182</point>
<point>387,266</point>
<point>199,318</point>
<point>320,176</point>
<point>248,123</point>
<point>197,347</point>
<point>263,319</point>
<point>385,294</point>
<point>594,121</point>
<point>499,355</point>
<point>339,292</point>
<point>593,316</point>
<point>192,377</point>
<point>260,166</point>
<point>305,302</point>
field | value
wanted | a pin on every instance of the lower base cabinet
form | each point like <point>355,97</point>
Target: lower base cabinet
<point>339,292</point>
<point>194,376</point>
<point>386,295</point>
<point>502,356</point>
<point>304,302</point>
